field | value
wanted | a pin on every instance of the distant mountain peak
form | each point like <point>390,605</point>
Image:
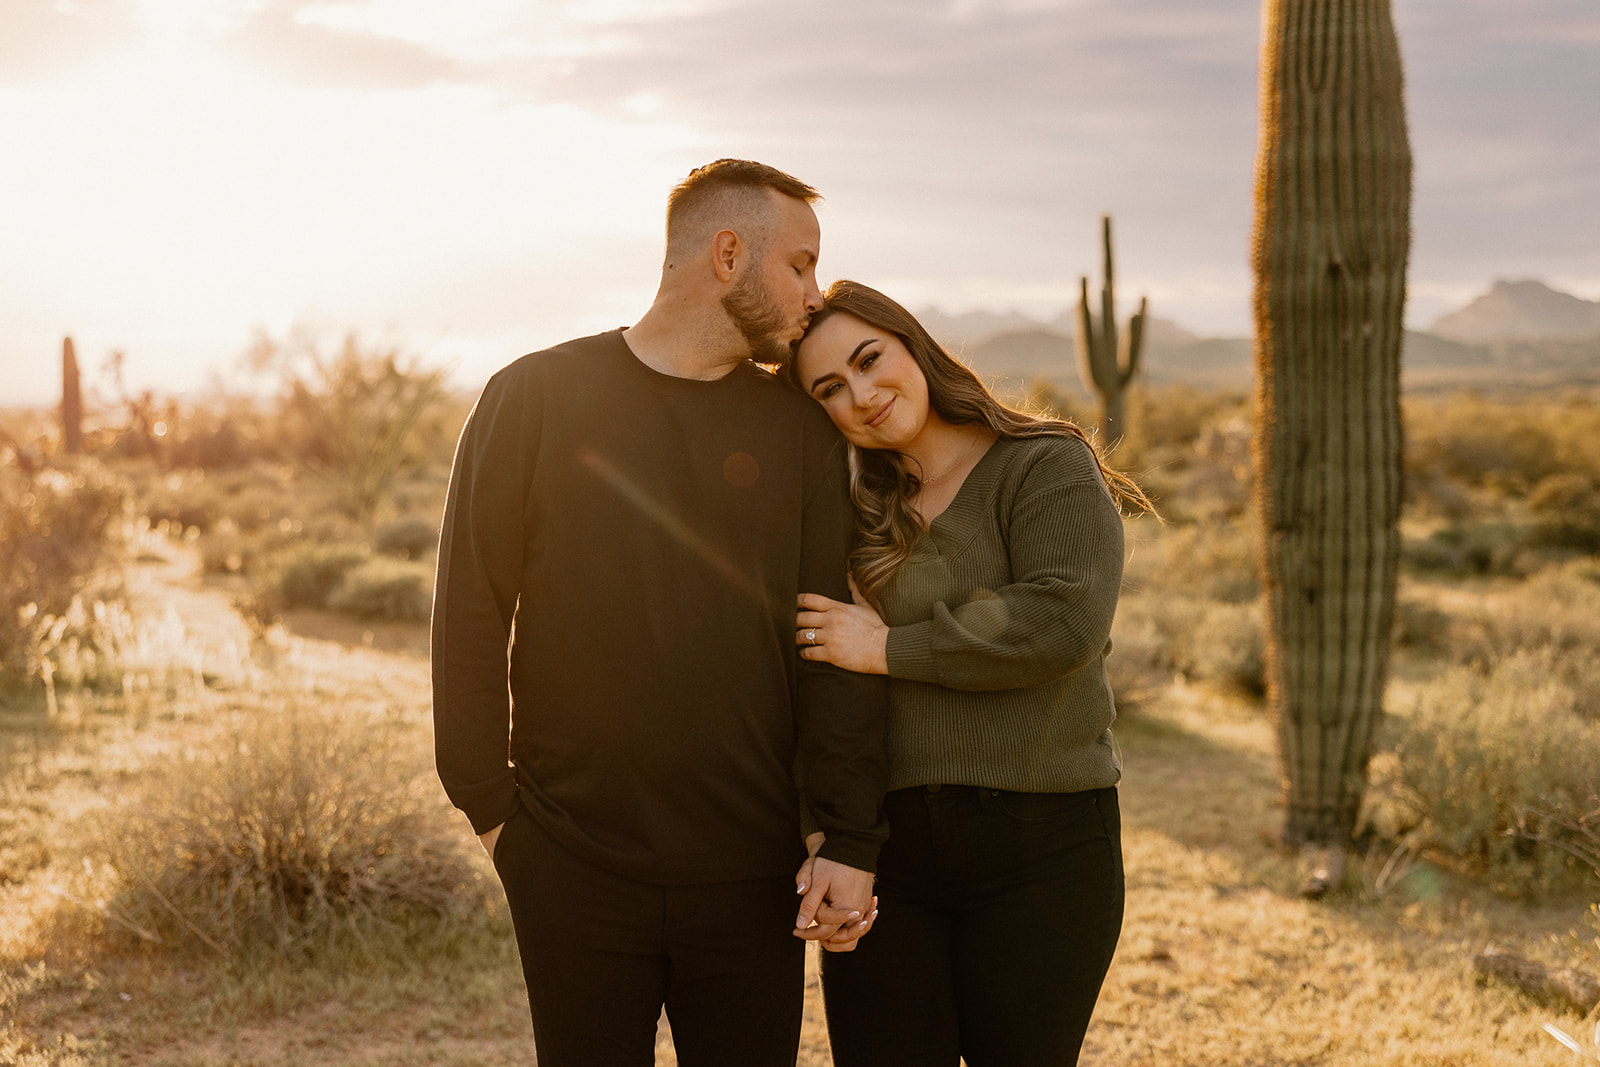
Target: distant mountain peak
<point>1526,309</point>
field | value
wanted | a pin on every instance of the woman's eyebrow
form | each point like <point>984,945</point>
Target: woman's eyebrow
<point>848,362</point>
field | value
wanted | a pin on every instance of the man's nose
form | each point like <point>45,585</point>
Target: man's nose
<point>813,296</point>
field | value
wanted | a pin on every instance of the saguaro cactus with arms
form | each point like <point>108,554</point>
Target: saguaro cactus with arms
<point>1105,363</point>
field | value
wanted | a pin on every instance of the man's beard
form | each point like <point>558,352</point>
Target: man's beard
<point>751,309</point>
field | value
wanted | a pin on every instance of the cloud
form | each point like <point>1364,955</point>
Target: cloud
<point>990,135</point>
<point>1504,138</point>
<point>282,41</point>
<point>41,40</point>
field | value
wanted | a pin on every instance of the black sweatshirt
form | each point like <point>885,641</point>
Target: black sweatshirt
<point>635,542</point>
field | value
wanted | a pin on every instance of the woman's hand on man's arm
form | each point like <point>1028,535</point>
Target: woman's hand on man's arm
<point>851,636</point>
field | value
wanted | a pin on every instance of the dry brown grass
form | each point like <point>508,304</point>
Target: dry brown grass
<point>1221,963</point>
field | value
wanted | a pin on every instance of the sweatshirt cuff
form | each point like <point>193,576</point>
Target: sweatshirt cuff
<point>488,804</point>
<point>909,651</point>
<point>858,850</point>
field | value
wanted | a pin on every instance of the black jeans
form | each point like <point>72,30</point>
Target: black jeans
<point>602,954</point>
<point>998,916</point>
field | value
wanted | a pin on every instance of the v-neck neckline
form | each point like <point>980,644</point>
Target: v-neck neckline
<point>970,482</point>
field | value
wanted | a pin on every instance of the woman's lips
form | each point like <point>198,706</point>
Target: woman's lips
<point>881,414</point>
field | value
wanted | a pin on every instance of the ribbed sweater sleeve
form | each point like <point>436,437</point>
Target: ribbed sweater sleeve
<point>1000,623</point>
<point>1063,544</point>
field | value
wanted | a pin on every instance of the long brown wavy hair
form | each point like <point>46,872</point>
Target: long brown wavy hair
<point>883,484</point>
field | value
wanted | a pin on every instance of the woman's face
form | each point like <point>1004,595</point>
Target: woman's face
<point>866,380</point>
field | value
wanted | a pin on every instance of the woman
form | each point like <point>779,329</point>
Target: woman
<point>985,582</point>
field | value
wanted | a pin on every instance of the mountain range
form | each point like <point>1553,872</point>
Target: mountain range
<point>1520,335</point>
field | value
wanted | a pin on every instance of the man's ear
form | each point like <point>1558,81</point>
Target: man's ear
<point>726,252</point>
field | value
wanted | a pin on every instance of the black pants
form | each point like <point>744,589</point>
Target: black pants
<point>998,916</point>
<point>602,954</point>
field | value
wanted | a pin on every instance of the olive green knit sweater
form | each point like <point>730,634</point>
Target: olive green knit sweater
<point>1000,623</point>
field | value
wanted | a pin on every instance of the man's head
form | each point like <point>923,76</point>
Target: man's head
<point>756,225</point>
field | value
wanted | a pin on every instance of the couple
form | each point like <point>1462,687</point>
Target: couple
<point>641,527</point>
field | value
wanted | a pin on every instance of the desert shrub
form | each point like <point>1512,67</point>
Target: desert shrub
<point>1481,548</point>
<point>1505,446</point>
<point>1435,496</point>
<point>219,433</point>
<point>296,823</point>
<point>409,537</point>
<point>1566,510</point>
<point>1556,610</point>
<point>398,590</point>
<point>1165,416</point>
<point>1203,641</point>
<point>1489,762</point>
<point>303,575</point>
<point>352,414</point>
<point>1420,626</point>
<point>185,500</point>
<point>1216,560</point>
<point>59,530</point>
<point>1228,647</point>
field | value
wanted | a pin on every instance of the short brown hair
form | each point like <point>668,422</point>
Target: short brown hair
<point>728,190</point>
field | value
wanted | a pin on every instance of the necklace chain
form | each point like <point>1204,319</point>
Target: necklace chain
<point>959,460</point>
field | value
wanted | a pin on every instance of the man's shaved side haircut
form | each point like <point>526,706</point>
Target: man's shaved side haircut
<point>727,194</point>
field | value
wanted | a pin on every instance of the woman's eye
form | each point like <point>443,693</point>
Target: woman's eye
<point>827,390</point>
<point>867,360</point>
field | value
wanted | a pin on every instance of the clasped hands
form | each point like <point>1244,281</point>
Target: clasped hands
<point>837,907</point>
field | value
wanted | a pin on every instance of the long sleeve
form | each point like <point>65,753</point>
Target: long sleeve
<point>1000,624</point>
<point>475,600</point>
<point>841,716</point>
<point>1063,539</point>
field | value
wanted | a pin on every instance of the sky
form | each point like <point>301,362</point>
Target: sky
<point>472,180</point>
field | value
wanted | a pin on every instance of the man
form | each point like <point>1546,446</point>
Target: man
<point>629,521</point>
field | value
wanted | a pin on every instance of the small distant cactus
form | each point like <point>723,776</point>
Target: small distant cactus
<point>1106,366</point>
<point>71,400</point>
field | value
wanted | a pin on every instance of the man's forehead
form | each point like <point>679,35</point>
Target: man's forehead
<point>798,222</point>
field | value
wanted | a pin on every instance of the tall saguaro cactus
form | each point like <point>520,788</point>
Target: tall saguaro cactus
<point>1105,365</point>
<point>1332,235</point>
<point>71,400</point>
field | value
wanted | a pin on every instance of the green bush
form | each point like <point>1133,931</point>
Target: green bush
<point>397,590</point>
<point>1483,548</point>
<point>1215,643</point>
<point>1491,761</point>
<point>310,576</point>
<point>410,537</point>
<point>296,822</point>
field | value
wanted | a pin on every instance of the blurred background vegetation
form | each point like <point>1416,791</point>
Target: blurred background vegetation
<point>251,841</point>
